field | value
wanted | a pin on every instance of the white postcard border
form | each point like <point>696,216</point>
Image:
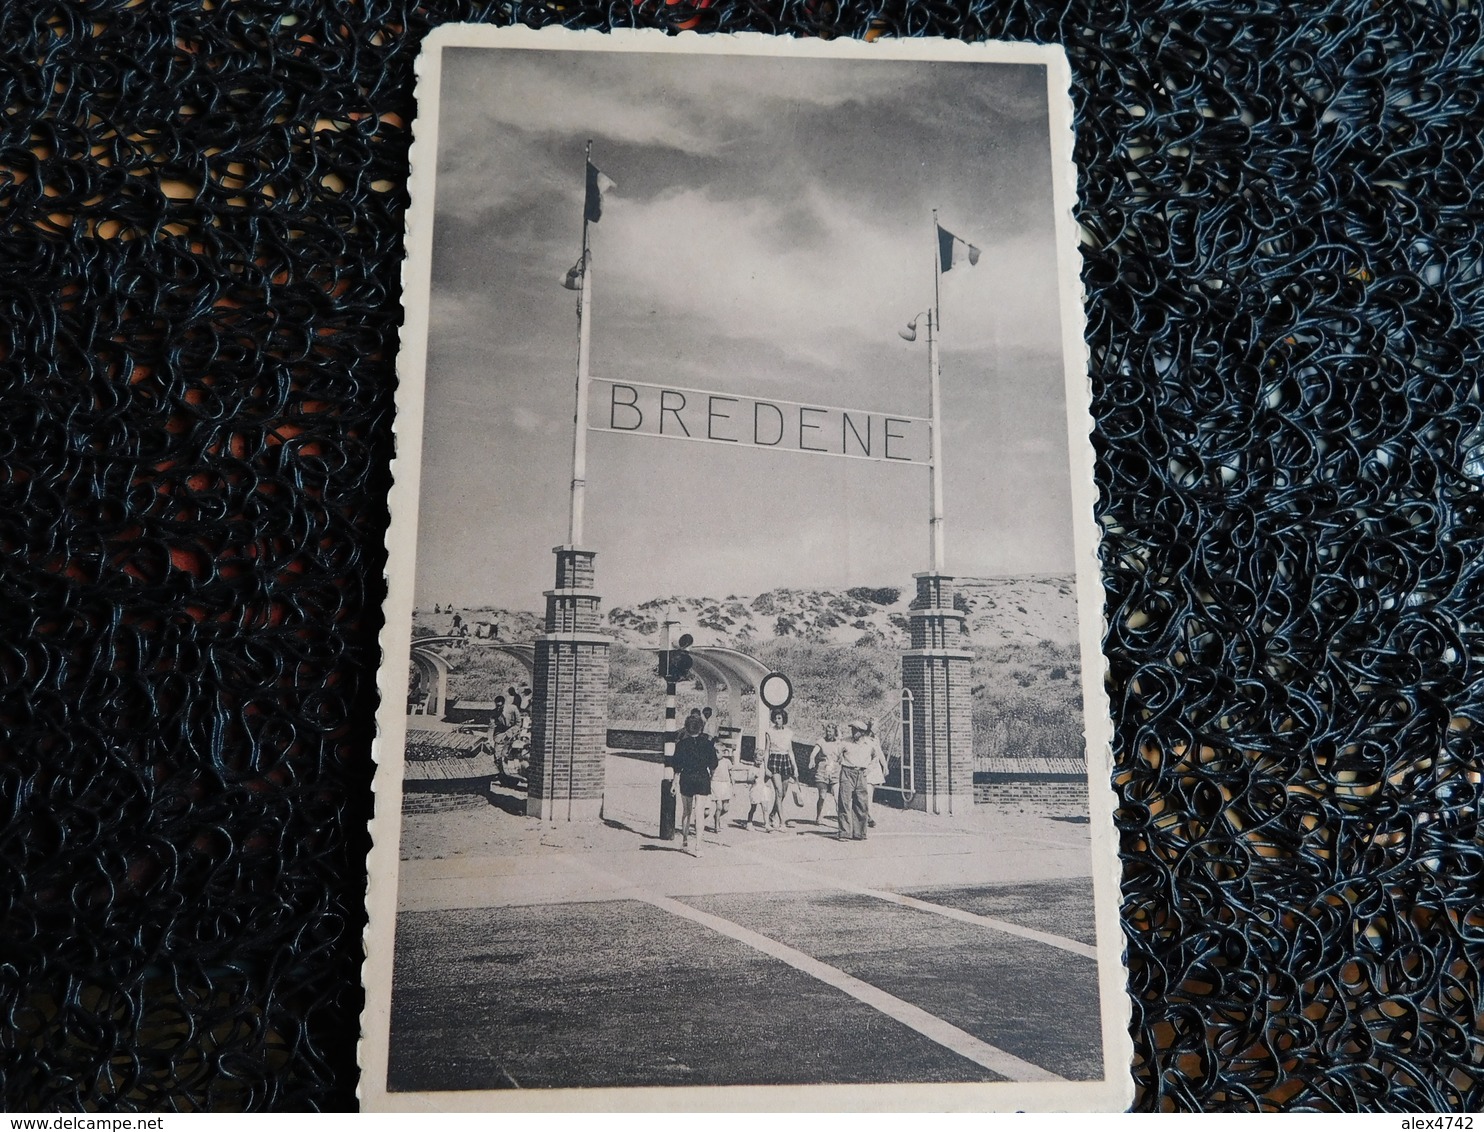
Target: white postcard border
<point>1116,1091</point>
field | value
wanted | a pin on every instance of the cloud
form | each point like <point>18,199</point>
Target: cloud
<point>814,276</point>
<point>770,233</point>
<point>529,112</point>
<point>450,312</point>
<point>693,104</point>
<point>761,203</point>
<point>527,420</point>
<point>568,94</point>
<point>753,269</point>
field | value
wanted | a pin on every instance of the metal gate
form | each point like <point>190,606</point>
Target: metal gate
<point>906,776</point>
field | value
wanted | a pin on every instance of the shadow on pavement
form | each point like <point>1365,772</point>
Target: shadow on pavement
<point>614,823</point>
<point>512,804</point>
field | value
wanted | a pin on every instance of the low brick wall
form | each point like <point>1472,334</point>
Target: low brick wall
<point>645,740</point>
<point>635,739</point>
<point>469,711</point>
<point>443,798</point>
<point>1055,795</point>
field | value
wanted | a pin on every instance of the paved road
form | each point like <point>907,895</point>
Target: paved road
<point>941,949</point>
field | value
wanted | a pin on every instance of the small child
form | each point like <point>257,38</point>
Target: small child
<point>760,795</point>
<point>721,783</point>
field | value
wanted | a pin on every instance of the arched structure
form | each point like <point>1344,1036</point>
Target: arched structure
<point>728,670</point>
<point>526,654</point>
<point>431,671</point>
<point>431,668</point>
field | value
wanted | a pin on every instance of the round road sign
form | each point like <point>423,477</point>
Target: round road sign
<point>775,690</point>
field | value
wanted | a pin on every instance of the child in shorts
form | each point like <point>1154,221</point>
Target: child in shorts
<point>760,796</point>
<point>721,783</point>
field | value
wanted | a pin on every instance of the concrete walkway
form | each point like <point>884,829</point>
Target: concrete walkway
<point>962,942</point>
<point>485,857</point>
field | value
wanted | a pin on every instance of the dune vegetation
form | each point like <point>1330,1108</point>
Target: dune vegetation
<point>841,650</point>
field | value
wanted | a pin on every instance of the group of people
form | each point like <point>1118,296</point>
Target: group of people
<point>846,772</point>
<point>510,730</point>
<point>461,629</point>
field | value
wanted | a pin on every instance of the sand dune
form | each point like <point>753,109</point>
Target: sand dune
<point>1002,611</point>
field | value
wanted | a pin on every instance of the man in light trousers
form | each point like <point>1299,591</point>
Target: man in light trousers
<point>856,756</point>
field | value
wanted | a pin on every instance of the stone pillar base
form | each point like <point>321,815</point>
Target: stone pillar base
<point>569,710</point>
<point>945,803</point>
<point>938,672</point>
<point>588,810</point>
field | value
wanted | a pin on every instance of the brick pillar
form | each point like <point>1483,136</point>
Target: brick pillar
<point>569,711</point>
<point>938,670</point>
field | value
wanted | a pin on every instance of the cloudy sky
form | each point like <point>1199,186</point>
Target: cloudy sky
<point>770,233</point>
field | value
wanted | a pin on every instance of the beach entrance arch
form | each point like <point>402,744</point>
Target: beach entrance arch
<point>570,681</point>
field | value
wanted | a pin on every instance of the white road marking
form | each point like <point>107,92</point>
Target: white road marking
<point>930,1026</point>
<point>613,886</point>
<point>433,894</point>
<point>821,879</point>
<point>959,914</point>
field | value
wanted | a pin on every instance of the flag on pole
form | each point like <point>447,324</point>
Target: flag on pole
<point>953,251</point>
<point>598,183</point>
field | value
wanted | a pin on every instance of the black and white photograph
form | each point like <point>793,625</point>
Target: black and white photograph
<point>743,740</point>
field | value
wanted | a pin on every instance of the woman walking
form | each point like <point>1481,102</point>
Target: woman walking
<point>778,763</point>
<point>695,763</point>
<point>827,771</point>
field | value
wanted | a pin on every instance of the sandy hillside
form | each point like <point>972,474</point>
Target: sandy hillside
<point>1002,611</point>
<point>1006,612</point>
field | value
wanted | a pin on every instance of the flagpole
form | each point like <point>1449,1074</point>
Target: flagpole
<point>584,338</point>
<point>935,525</point>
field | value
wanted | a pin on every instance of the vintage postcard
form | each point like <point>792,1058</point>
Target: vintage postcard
<point>743,741</point>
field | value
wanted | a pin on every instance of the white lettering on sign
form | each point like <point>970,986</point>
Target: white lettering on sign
<point>640,408</point>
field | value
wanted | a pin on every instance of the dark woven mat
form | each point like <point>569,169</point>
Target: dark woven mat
<point>200,235</point>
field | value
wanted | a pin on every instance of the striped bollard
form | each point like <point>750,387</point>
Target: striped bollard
<point>667,792</point>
